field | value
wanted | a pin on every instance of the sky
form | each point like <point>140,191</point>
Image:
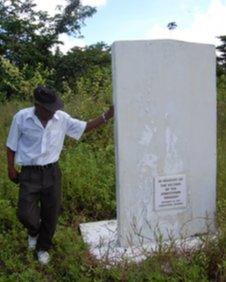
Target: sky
<point>197,20</point>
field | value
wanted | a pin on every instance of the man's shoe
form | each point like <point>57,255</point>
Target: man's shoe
<point>43,257</point>
<point>32,241</point>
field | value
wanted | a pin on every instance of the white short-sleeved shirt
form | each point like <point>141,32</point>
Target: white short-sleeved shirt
<point>36,145</point>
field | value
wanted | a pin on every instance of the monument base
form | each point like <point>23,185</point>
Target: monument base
<point>102,240</point>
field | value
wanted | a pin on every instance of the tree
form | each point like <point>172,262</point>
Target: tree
<point>221,59</point>
<point>71,19</point>
<point>78,61</point>
<point>13,83</point>
<point>172,25</point>
<point>27,36</point>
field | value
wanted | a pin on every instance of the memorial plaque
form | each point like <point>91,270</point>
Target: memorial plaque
<point>170,192</point>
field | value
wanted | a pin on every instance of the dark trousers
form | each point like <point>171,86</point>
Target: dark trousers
<point>39,202</point>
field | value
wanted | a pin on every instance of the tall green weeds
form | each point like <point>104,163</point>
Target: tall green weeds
<point>89,194</point>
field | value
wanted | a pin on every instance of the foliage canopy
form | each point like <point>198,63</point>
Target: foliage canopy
<point>27,35</point>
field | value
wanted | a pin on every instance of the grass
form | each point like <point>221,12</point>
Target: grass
<point>89,194</point>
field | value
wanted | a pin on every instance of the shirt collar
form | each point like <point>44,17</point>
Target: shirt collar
<point>56,115</point>
<point>31,114</point>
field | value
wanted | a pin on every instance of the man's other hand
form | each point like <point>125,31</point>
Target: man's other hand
<point>13,175</point>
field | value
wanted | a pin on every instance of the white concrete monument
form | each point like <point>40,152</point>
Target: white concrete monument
<point>165,138</point>
<point>165,100</point>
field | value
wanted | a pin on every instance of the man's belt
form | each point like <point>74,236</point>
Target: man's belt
<point>39,167</point>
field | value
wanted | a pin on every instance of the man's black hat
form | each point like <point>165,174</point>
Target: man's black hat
<point>47,97</point>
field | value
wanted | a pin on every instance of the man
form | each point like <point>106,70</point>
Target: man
<point>35,141</point>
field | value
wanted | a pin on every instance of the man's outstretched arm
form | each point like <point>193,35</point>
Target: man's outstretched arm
<point>92,124</point>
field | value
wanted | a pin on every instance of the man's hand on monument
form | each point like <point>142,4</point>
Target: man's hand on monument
<point>110,113</point>
<point>95,123</point>
<point>13,174</point>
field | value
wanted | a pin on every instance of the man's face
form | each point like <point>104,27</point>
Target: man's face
<point>43,113</point>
